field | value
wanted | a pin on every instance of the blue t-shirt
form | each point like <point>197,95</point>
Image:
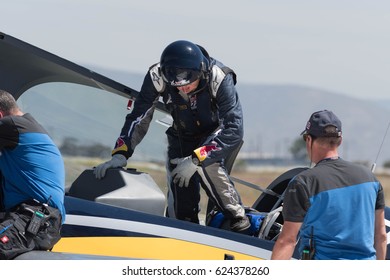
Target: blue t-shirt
<point>30,163</point>
<point>336,202</point>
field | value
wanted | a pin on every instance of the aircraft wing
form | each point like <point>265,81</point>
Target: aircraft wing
<point>23,66</point>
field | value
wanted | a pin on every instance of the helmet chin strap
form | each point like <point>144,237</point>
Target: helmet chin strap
<point>198,89</point>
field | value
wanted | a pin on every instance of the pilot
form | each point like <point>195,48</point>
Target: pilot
<point>207,130</point>
<point>336,208</point>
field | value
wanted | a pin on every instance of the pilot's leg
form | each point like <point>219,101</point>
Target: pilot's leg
<point>182,202</point>
<point>221,190</point>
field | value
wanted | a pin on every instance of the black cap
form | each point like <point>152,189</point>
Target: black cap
<point>321,119</point>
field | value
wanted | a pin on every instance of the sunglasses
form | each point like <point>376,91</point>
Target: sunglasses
<point>178,77</point>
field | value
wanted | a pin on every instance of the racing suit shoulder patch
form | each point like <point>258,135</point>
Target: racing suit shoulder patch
<point>156,77</point>
<point>217,76</point>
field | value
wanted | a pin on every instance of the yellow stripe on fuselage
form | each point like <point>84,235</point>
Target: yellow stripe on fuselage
<point>144,248</point>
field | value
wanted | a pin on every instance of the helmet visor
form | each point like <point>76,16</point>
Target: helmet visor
<point>179,77</point>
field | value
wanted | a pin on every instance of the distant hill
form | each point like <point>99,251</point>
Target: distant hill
<point>385,103</point>
<point>274,116</point>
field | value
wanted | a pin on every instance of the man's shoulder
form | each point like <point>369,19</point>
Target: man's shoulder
<point>15,119</point>
<point>309,172</point>
<point>307,177</point>
<point>358,167</point>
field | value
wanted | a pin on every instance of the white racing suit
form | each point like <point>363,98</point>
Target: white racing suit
<point>212,118</point>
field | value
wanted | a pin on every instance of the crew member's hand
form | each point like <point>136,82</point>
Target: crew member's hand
<point>117,160</point>
<point>184,170</point>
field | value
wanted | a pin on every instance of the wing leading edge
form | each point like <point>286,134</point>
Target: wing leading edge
<point>23,66</point>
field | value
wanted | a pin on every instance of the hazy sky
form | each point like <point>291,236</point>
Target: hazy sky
<point>338,45</point>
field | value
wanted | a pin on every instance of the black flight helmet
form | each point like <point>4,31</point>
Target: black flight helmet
<point>182,63</point>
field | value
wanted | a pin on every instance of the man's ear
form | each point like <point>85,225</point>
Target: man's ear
<point>1,114</point>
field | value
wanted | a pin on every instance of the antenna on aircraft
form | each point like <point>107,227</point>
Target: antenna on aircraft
<point>380,148</point>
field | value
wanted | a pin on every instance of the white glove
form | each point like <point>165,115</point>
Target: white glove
<point>117,160</point>
<point>184,170</point>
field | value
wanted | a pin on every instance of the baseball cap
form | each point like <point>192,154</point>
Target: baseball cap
<point>321,119</point>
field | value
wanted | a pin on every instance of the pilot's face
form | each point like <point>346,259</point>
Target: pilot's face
<point>190,87</point>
